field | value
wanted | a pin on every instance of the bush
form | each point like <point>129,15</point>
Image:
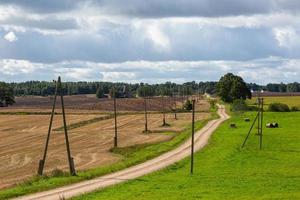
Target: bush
<point>252,108</point>
<point>58,173</point>
<point>239,105</point>
<point>188,105</point>
<point>212,103</point>
<point>295,108</point>
<point>279,107</point>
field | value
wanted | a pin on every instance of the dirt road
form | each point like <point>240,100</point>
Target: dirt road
<point>201,139</point>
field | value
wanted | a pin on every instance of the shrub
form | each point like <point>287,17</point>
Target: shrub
<point>188,105</point>
<point>252,108</point>
<point>58,173</point>
<point>212,103</point>
<point>295,108</point>
<point>239,105</point>
<point>279,107</point>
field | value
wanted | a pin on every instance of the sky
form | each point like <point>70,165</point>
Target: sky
<point>151,41</point>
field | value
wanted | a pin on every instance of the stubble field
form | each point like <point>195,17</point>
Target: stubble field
<point>23,137</point>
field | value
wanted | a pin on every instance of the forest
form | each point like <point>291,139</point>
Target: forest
<point>45,88</point>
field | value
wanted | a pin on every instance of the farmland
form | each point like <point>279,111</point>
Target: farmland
<point>225,171</point>
<point>24,129</point>
<point>290,100</point>
<point>89,103</point>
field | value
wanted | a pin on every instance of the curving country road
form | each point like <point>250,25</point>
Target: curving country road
<point>162,161</point>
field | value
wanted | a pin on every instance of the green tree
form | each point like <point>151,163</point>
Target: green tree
<point>292,87</point>
<point>188,105</point>
<point>231,87</point>
<point>6,95</point>
<point>99,93</point>
<point>145,91</point>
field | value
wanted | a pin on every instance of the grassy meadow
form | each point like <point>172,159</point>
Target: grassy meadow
<point>225,171</point>
<point>290,100</point>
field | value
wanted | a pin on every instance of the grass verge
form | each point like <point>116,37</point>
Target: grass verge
<point>225,171</point>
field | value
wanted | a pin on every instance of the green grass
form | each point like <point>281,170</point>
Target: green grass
<point>290,100</point>
<point>130,156</point>
<point>225,171</point>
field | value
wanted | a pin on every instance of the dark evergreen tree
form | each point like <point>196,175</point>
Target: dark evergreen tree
<point>99,93</point>
<point>6,95</point>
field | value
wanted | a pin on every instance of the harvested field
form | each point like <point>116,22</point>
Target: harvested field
<point>23,138</point>
<point>89,103</point>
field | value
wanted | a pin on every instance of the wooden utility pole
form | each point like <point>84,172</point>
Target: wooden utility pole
<point>175,110</point>
<point>115,115</point>
<point>259,119</point>
<point>146,117</point>
<point>261,122</point>
<point>58,88</point>
<point>164,113</point>
<point>193,133</point>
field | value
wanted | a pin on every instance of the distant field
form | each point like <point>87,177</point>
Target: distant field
<point>224,171</point>
<point>290,100</point>
<point>23,138</point>
<point>89,103</point>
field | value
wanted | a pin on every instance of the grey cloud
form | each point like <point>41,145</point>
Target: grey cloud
<point>188,42</point>
<point>180,8</point>
<point>47,23</point>
<point>43,6</point>
<point>165,8</point>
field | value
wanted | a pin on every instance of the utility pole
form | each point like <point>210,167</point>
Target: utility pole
<point>115,115</point>
<point>164,113</point>
<point>261,122</point>
<point>42,161</point>
<point>259,119</point>
<point>71,161</point>
<point>146,117</point>
<point>175,110</point>
<point>58,88</point>
<point>193,133</point>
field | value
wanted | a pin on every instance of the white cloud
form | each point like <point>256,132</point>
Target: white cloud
<point>119,76</point>
<point>14,67</point>
<point>286,37</point>
<point>262,71</point>
<point>75,73</point>
<point>159,38</point>
<point>11,37</point>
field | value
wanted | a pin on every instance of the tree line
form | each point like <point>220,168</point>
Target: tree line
<point>276,87</point>
<point>44,88</point>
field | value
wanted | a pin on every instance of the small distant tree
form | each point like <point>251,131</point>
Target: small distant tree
<point>6,95</point>
<point>231,87</point>
<point>99,93</point>
<point>212,103</point>
<point>112,93</point>
<point>145,91</point>
<point>188,105</point>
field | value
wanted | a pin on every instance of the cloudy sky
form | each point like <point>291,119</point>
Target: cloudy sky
<point>150,41</point>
